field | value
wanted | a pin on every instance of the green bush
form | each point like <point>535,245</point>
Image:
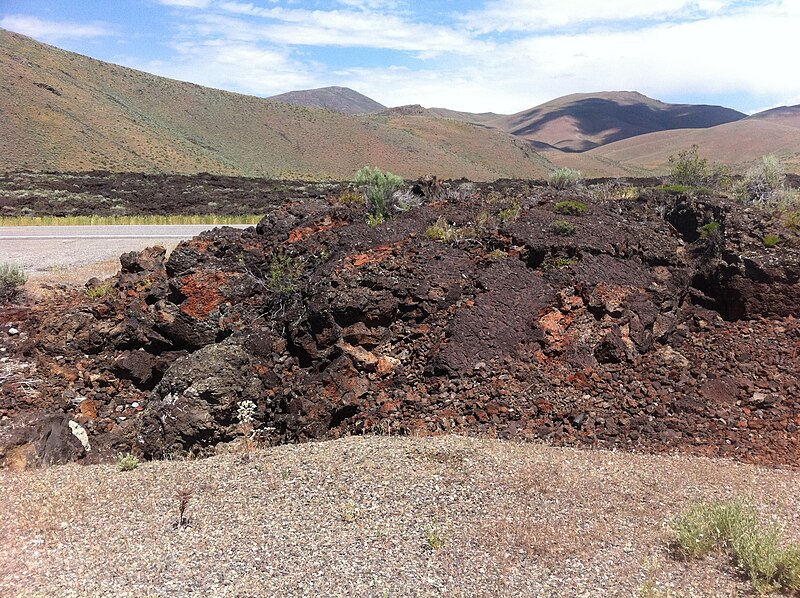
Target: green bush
<point>127,462</point>
<point>733,528</point>
<point>284,272</point>
<point>710,230</point>
<point>378,188</point>
<point>563,227</point>
<point>12,277</point>
<point>771,240</point>
<point>690,170</point>
<point>570,208</point>
<point>100,291</point>
<point>564,178</point>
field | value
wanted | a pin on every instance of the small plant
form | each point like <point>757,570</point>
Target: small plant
<point>12,277</point>
<point>127,462</point>
<point>792,220</point>
<point>559,262</point>
<point>563,228</point>
<point>497,254</point>
<point>378,188</point>
<point>184,495</point>
<point>511,213</point>
<point>100,291</point>
<point>564,178</point>
<point>570,208</point>
<point>245,413</point>
<point>733,528</point>
<point>350,197</point>
<point>710,230</point>
<point>349,512</point>
<point>284,272</point>
<point>649,588</point>
<point>441,230</point>
<point>435,535</point>
<point>771,240</point>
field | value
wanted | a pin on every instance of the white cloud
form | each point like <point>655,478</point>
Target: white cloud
<point>348,28</point>
<point>538,15</point>
<point>53,30</point>
<point>239,66</point>
<point>187,3</point>
<point>705,49</point>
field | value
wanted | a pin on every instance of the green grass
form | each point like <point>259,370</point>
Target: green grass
<point>128,220</point>
<point>127,462</point>
<point>563,227</point>
<point>570,208</point>
<point>733,528</point>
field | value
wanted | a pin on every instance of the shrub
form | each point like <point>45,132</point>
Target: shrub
<point>792,219</point>
<point>710,230</point>
<point>570,208</point>
<point>733,528</point>
<point>511,213</point>
<point>12,277</point>
<point>563,227</point>
<point>284,272</point>
<point>100,291</point>
<point>564,178</point>
<point>771,240</point>
<point>127,462</point>
<point>689,169</point>
<point>442,230</point>
<point>763,181</point>
<point>378,188</point>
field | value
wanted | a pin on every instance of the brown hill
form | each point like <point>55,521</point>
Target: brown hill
<point>775,131</point>
<point>338,99</point>
<point>67,112</point>
<point>579,122</point>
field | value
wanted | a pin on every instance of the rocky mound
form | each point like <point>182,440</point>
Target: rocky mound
<point>499,311</point>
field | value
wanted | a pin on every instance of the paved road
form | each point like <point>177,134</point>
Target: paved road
<point>49,249</point>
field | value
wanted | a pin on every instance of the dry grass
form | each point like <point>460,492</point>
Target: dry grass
<point>353,517</point>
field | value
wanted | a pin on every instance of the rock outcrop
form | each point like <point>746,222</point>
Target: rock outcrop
<point>627,328</point>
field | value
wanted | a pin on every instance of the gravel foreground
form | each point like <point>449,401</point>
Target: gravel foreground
<point>363,516</point>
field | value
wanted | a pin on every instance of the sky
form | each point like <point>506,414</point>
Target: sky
<point>472,55</point>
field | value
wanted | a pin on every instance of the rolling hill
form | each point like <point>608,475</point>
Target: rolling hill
<point>580,122</point>
<point>66,112</point>
<point>738,144</point>
<point>338,99</point>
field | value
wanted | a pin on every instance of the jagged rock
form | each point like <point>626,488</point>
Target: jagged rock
<point>194,406</point>
<point>633,332</point>
<point>47,440</point>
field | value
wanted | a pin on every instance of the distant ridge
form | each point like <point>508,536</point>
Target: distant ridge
<point>66,112</point>
<point>580,122</point>
<point>338,99</point>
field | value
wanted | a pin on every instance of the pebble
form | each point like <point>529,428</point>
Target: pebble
<point>13,332</point>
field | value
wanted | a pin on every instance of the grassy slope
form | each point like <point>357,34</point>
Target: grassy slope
<point>69,112</point>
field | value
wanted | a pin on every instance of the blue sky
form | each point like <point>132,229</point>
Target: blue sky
<point>470,55</point>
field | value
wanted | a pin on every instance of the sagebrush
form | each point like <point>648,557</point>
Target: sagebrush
<point>12,278</point>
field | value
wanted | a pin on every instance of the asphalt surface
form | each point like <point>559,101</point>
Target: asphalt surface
<point>47,249</point>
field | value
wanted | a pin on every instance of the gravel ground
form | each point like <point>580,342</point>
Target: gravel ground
<point>363,516</point>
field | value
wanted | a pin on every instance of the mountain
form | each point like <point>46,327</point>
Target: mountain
<point>580,122</point>
<point>738,144</point>
<point>338,99</point>
<point>66,112</point>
